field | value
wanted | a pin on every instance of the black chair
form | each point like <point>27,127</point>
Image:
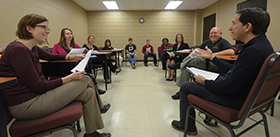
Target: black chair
<point>259,99</point>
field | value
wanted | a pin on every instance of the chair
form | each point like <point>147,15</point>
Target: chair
<point>259,99</point>
<point>62,119</point>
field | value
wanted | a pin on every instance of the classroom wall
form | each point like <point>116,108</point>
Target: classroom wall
<point>225,11</point>
<point>118,26</point>
<point>273,29</point>
<point>60,13</point>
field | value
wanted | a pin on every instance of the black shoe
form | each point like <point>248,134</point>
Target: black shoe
<point>176,96</point>
<point>96,134</point>
<point>176,125</point>
<point>156,65</point>
<point>116,72</point>
<point>146,65</point>
<point>174,66</point>
<point>100,91</point>
<point>105,108</point>
<point>207,120</point>
<point>163,68</point>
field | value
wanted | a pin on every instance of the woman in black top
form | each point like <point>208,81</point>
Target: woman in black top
<point>180,45</point>
<point>109,47</point>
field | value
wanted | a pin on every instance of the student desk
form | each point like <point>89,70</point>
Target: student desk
<point>228,57</point>
<point>59,68</point>
<point>4,82</point>
<point>115,52</point>
<point>103,56</point>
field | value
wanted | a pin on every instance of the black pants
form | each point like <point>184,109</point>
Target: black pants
<point>202,92</point>
<point>163,59</point>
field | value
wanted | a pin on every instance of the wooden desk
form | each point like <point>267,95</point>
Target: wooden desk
<point>103,56</point>
<point>59,68</point>
<point>4,82</point>
<point>228,57</point>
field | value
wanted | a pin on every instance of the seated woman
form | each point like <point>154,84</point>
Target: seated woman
<point>65,45</point>
<point>180,45</point>
<point>34,96</point>
<point>109,47</point>
<point>90,46</point>
<point>163,48</point>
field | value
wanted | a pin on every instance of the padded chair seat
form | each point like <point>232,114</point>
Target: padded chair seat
<point>96,65</point>
<point>67,115</point>
<point>225,114</point>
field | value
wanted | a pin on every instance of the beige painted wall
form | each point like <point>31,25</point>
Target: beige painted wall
<point>60,13</point>
<point>225,11</point>
<point>118,26</point>
<point>273,31</point>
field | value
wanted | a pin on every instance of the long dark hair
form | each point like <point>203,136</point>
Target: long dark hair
<point>107,40</point>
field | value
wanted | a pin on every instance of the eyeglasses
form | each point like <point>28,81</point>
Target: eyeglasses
<point>44,27</point>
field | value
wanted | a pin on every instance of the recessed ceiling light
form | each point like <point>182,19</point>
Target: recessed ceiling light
<point>111,5</point>
<point>173,4</point>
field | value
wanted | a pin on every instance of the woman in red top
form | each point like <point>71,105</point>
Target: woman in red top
<point>66,42</point>
<point>34,96</point>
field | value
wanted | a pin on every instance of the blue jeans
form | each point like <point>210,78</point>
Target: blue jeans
<point>132,59</point>
<point>150,54</point>
<point>202,92</point>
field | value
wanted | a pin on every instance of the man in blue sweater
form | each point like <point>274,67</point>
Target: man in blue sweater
<point>249,26</point>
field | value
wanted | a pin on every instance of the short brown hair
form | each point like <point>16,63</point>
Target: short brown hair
<point>28,20</point>
<point>130,39</point>
<point>181,36</point>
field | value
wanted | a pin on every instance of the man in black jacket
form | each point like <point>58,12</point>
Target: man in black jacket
<point>249,26</point>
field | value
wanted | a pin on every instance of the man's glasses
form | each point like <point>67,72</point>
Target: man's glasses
<point>44,27</point>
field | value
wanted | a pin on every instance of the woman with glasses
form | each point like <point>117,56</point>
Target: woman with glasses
<point>34,96</point>
<point>180,45</point>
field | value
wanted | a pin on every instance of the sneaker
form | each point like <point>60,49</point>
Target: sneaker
<point>133,66</point>
<point>156,65</point>
<point>146,65</point>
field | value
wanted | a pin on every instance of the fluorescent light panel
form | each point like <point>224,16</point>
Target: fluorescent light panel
<point>111,5</point>
<point>173,4</point>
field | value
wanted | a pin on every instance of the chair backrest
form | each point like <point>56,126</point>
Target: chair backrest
<point>264,89</point>
<point>158,49</point>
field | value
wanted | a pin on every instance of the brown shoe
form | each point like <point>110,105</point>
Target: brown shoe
<point>176,125</point>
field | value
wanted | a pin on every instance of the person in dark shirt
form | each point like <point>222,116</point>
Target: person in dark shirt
<point>249,26</point>
<point>130,51</point>
<point>34,96</point>
<point>216,44</point>
<point>180,45</point>
<point>108,46</point>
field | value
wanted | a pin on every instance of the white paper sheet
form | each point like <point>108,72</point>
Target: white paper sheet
<point>82,65</point>
<point>206,74</point>
<point>76,51</point>
<point>148,49</point>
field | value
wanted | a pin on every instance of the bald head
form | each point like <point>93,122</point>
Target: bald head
<point>215,34</point>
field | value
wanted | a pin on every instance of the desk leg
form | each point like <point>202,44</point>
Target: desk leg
<point>116,60</point>
<point>109,71</point>
<point>106,71</point>
<point>3,129</point>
